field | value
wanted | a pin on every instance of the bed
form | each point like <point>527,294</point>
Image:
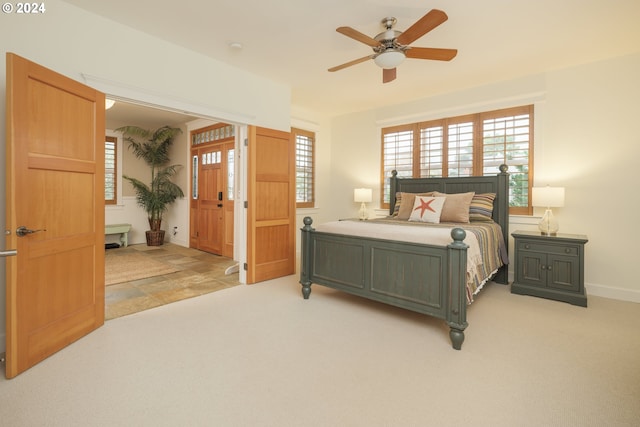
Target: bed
<point>429,278</point>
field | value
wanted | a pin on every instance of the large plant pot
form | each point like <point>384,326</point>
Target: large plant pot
<point>155,237</point>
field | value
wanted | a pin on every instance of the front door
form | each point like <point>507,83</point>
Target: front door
<point>210,195</point>
<point>54,212</point>
<point>212,184</point>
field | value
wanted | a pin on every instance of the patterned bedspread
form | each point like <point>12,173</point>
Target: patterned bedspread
<point>486,254</point>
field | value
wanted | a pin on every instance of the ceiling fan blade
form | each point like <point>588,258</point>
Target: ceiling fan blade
<point>431,53</point>
<point>425,24</point>
<point>388,75</point>
<point>357,35</point>
<point>350,63</point>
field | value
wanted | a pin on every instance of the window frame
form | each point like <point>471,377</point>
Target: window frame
<point>310,200</point>
<point>478,131</point>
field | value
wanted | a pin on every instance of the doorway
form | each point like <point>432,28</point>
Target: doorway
<point>211,226</point>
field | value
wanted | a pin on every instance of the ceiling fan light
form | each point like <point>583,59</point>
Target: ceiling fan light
<point>390,58</point>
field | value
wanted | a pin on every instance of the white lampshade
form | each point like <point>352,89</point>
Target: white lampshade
<point>548,197</point>
<point>390,58</point>
<point>363,195</point>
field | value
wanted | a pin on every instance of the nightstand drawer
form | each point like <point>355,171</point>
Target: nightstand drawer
<point>548,249</point>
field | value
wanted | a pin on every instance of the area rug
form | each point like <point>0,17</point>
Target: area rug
<point>133,266</point>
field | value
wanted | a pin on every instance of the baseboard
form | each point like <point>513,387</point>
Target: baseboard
<point>621,294</point>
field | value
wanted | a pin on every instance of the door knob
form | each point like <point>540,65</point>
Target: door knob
<point>23,231</point>
<point>10,252</point>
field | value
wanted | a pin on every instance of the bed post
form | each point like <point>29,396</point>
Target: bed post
<point>393,183</point>
<point>502,276</point>
<point>457,310</point>
<point>305,257</point>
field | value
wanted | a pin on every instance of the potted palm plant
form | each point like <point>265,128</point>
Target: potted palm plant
<point>154,198</point>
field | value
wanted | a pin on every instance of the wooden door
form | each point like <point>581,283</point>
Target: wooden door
<point>210,200</point>
<point>271,209</point>
<point>55,187</point>
<point>212,192</point>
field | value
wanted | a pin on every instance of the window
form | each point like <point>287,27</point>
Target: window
<point>231,173</point>
<point>110,170</point>
<point>305,170</point>
<point>471,145</point>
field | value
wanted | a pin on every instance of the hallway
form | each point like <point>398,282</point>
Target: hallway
<point>198,273</point>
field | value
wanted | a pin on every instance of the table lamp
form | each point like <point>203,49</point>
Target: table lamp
<point>548,197</point>
<point>363,196</point>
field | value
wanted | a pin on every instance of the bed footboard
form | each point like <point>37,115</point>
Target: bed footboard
<point>422,278</point>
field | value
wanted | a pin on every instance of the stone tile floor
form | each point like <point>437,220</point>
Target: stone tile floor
<point>198,273</point>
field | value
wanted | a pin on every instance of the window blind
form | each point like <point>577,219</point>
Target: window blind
<point>305,172</point>
<point>110,170</point>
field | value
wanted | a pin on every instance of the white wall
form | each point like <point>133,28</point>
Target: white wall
<point>321,126</point>
<point>586,139</point>
<point>133,65</point>
<point>127,210</point>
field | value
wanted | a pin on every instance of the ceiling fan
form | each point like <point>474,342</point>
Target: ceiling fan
<point>391,47</point>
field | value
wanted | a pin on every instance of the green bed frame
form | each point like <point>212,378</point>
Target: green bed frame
<point>424,278</point>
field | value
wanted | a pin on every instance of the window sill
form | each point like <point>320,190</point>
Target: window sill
<point>524,219</point>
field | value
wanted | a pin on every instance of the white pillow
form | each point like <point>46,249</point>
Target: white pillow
<point>427,209</point>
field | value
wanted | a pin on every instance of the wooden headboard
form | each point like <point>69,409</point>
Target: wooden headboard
<point>498,184</point>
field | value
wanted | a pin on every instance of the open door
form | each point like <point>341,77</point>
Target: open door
<point>271,210</point>
<point>54,212</point>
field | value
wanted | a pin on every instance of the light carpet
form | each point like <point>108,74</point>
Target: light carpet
<point>133,266</point>
<point>263,356</point>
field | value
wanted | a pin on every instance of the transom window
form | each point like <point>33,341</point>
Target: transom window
<point>470,145</point>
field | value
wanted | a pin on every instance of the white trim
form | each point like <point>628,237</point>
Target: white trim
<point>524,220</point>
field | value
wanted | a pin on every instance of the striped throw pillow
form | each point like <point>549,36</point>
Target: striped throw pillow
<point>481,208</point>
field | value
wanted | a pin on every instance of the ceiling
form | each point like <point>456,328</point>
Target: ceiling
<point>295,42</point>
<point>126,114</point>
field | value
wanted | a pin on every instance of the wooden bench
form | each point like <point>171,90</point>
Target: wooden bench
<point>121,229</point>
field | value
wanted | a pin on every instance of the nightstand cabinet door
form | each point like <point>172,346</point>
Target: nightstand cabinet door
<point>532,268</point>
<point>563,272</point>
<point>550,266</point>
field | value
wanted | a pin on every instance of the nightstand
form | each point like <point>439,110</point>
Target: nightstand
<point>550,266</point>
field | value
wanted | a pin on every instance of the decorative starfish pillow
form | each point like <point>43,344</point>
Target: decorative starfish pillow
<point>427,209</point>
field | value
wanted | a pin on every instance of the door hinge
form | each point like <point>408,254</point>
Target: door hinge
<point>246,142</point>
<point>246,204</point>
<point>245,266</point>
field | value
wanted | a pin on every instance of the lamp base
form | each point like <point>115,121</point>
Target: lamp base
<point>363,212</point>
<point>548,225</point>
